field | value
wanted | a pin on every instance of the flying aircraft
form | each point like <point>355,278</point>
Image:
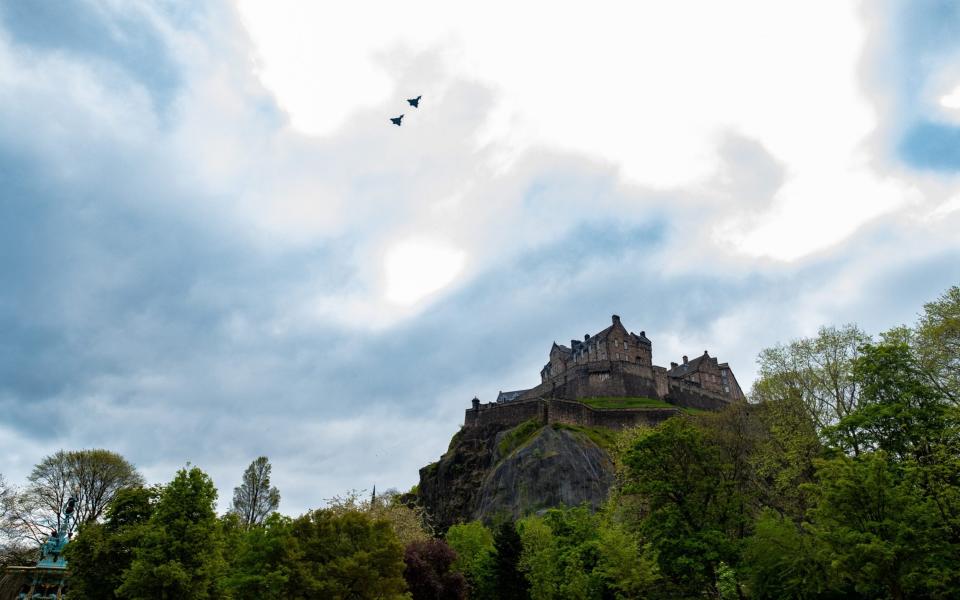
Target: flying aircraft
<point>396,120</point>
<point>414,102</point>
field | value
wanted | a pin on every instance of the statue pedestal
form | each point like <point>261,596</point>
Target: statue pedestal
<point>41,582</point>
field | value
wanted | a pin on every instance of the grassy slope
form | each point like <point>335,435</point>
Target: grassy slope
<point>601,436</point>
<point>618,402</point>
<point>518,436</point>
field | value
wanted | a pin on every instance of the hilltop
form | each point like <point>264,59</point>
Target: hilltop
<point>549,445</point>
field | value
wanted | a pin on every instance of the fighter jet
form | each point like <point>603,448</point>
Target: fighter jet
<point>396,120</point>
<point>414,102</point>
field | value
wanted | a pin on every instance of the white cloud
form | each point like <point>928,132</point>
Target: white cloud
<point>951,100</point>
<point>417,267</point>
<point>648,86</point>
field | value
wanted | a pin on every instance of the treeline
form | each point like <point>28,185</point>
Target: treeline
<point>840,479</point>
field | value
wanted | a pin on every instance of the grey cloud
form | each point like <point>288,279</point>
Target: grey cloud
<point>143,309</point>
<point>108,36</point>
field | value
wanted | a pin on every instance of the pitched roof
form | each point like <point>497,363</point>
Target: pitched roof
<point>508,396</point>
<point>691,366</point>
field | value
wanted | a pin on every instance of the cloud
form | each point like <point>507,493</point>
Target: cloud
<point>212,221</point>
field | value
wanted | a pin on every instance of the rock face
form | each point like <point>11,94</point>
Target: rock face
<point>495,469</point>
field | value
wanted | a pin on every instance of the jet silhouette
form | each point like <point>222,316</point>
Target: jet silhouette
<point>414,102</point>
<point>396,120</point>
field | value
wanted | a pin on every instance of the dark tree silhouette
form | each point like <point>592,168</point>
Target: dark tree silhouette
<point>510,583</point>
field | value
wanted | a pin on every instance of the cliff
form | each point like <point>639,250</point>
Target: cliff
<point>496,469</point>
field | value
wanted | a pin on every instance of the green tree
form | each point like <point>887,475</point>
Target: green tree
<point>473,543</point>
<point>539,560</point>
<point>180,556</point>
<point>816,372</point>
<point>901,413</point>
<point>509,581</point>
<point>254,499</point>
<point>693,509</point>
<point>626,566</point>
<point>100,553</point>
<point>781,462</point>
<point>784,560</point>
<point>562,554</point>
<point>345,556</point>
<point>937,342</point>
<point>883,535</point>
<point>260,558</point>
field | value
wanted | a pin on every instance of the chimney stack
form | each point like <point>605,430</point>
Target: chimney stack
<point>476,403</point>
<point>705,353</point>
<point>673,365</point>
<point>616,319</point>
<point>586,336</point>
<point>684,359</point>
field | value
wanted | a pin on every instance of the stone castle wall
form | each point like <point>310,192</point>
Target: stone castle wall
<point>578,413</point>
<point>690,396</point>
<point>601,378</point>
<point>571,412</point>
<point>557,401</point>
<point>506,413</point>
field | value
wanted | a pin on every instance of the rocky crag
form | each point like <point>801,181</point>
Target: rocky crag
<point>500,470</point>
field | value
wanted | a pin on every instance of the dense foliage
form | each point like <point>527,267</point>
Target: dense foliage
<point>841,479</point>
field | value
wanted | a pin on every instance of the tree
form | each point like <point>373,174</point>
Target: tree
<point>261,558</point>
<point>473,543</point>
<point>784,560</point>
<point>93,477</point>
<point>428,571</point>
<point>345,556</point>
<point>694,505</point>
<point>883,536</point>
<point>781,463</point>
<point>816,372</point>
<point>884,521</point>
<point>540,560</point>
<point>937,342</point>
<point>901,413</point>
<point>12,549</point>
<point>407,520</point>
<point>254,499</point>
<point>510,583</point>
<point>180,556</point>
<point>101,552</point>
<point>627,567</point>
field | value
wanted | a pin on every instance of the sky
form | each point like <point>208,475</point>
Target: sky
<point>214,245</point>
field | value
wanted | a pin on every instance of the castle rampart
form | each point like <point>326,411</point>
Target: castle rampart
<point>571,412</point>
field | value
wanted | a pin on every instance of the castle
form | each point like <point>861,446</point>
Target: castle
<point>613,363</point>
